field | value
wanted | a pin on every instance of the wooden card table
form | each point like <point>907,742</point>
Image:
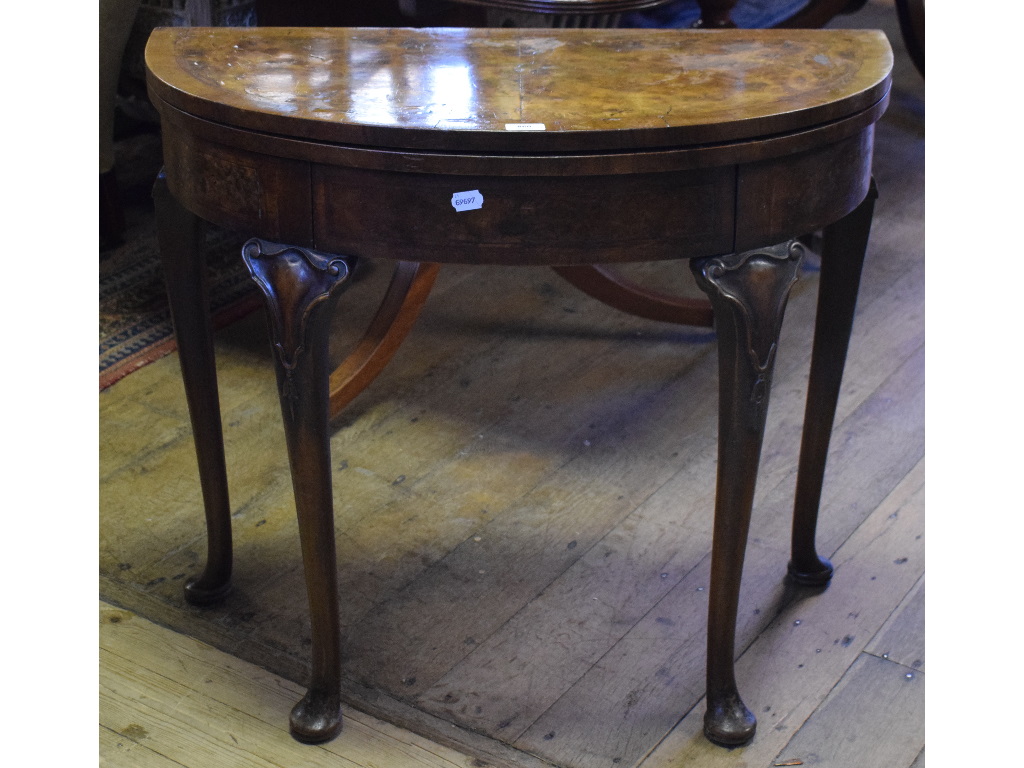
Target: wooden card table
<point>574,149</point>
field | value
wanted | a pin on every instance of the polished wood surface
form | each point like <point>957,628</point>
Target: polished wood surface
<point>553,209</point>
<point>329,146</point>
<point>846,243</point>
<point>407,293</point>
<point>459,89</point>
<point>300,287</point>
<point>180,234</point>
<point>236,162</point>
<point>749,292</point>
<point>617,291</point>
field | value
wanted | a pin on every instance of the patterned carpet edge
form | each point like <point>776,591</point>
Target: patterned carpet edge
<point>142,347</point>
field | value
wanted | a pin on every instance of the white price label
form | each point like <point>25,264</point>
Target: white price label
<point>524,126</point>
<point>467,201</point>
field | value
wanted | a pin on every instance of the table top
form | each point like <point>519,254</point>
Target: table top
<point>511,90</point>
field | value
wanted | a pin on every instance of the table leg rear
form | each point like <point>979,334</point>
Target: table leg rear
<point>842,258</point>
<point>179,233</point>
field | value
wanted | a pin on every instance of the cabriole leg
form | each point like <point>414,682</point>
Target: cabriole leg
<point>299,286</point>
<point>843,249</point>
<point>748,292</point>
<point>180,234</point>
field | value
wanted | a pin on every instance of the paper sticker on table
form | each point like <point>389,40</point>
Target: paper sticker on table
<point>467,201</point>
<point>524,126</point>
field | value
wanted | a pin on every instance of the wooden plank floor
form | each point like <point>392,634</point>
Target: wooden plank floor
<point>523,522</point>
<point>169,700</point>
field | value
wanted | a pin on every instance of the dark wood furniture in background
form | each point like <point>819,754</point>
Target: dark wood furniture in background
<point>419,13</point>
<point>715,14</point>
<point>911,16</point>
<point>564,148</point>
<point>817,13</point>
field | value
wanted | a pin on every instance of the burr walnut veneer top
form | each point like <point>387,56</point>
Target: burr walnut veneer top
<point>512,90</point>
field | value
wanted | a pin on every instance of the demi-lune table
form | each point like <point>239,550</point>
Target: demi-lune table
<point>572,148</point>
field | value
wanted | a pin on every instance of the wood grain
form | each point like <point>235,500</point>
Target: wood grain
<point>458,88</point>
<point>901,640</point>
<point>192,704</point>
<point>858,722</point>
<point>510,680</point>
<point>117,751</point>
<point>410,286</point>
<point>525,220</point>
<point>815,638</point>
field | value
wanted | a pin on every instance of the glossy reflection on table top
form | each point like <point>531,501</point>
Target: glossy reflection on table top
<point>584,89</point>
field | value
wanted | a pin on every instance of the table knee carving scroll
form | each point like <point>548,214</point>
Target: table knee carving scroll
<point>300,286</point>
<point>748,292</point>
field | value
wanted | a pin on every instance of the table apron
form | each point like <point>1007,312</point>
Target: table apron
<point>524,220</point>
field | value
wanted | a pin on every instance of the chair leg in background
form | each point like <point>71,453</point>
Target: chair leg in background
<point>406,295</point>
<point>748,293</point>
